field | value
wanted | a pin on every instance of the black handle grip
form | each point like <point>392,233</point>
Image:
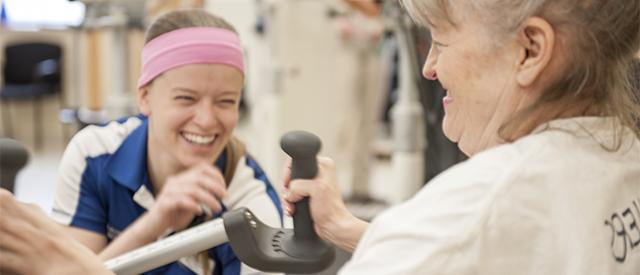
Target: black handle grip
<point>281,249</point>
<point>13,157</point>
<point>303,147</point>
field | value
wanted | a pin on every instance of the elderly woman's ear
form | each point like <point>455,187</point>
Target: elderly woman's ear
<point>536,41</point>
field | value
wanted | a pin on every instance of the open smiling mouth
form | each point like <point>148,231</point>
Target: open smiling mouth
<point>198,139</point>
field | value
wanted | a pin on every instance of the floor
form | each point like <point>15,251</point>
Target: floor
<point>36,182</point>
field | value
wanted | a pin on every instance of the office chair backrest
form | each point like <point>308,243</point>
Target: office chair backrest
<point>22,59</point>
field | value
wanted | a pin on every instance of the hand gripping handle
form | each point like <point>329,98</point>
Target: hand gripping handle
<point>303,147</point>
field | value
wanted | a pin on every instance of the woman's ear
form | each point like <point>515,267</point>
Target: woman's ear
<point>143,100</point>
<point>536,41</point>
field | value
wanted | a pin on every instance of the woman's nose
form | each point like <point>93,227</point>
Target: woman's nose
<point>429,73</point>
<point>429,69</point>
<point>205,116</point>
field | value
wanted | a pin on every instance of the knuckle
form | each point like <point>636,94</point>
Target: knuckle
<point>326,162</point>
<point>323,186</point>
<point>5,194</point>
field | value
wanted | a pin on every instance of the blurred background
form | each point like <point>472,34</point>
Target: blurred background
<point>346,70</point>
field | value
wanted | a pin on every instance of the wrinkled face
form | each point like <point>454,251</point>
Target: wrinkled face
<point>479,78</point>
<point>192,112</point>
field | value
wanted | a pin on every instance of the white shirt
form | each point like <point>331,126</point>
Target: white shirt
<point>550,203</point>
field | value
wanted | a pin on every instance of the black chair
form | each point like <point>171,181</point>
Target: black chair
<point>32,71</point>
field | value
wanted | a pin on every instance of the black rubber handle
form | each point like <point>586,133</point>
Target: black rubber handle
<point>13,157</point>
<point>269,249</point>
<point>303,147</point>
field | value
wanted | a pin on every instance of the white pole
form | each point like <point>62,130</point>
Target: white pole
<point>407,123</point>
<point>185,243</point>
<point>120,103</point>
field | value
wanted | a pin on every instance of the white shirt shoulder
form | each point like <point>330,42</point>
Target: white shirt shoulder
<point>536,206</point>
<point>92,141</point>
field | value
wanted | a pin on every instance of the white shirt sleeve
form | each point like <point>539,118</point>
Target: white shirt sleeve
<point>436,232</point>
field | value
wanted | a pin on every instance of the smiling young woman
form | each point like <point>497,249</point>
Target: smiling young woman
<point>133,181</point>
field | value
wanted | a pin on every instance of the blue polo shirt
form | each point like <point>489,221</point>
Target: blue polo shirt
<point>104,186</point>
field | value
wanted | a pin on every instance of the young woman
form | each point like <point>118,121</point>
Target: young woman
<point>136,180</point>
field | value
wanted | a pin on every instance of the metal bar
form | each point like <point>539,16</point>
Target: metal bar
<point>170,249</point>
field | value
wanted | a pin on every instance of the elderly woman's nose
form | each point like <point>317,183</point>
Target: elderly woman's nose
<point>429,72</point>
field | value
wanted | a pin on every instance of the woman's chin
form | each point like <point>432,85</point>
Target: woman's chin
<point>449,131</point>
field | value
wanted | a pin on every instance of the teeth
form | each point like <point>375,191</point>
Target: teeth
<point>203,140</point>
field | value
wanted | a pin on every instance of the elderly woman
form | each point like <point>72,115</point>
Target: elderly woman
<point>540,98</point>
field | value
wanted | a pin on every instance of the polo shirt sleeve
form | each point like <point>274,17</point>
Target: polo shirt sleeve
<point>435,232</point>
<point>249,188</point>
<point>77,202</point>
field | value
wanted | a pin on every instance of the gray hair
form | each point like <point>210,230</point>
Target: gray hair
<point>603,37</point>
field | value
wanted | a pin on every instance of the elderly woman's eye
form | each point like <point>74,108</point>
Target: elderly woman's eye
<point>438,45</point>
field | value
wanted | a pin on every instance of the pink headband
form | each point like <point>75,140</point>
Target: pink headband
<point>198,45</point>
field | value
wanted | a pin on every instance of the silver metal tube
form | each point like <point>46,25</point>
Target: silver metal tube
<point>170,249</point>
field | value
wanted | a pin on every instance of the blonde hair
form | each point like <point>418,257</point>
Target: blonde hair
<point>188,18</point>
<point>603,37</point>
<point>179,19</point>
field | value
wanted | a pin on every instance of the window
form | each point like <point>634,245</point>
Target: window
<point>42,13</point>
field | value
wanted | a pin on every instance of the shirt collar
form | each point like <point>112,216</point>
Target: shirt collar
<point>128,165</point>
<point>579,125</point>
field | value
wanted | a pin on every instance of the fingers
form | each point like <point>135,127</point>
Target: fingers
<point>189,204</point>
<point>286,172</point>
<point>212,180</point>
<point>202,186</point>
<point>17,238</point>
<point>288,207</point>
<point>15,216</point>
<point>14,230</point>
<point>207,199</point>
<point>34,215</point>
<point>11,263</point>
<point>213,183</point>
<point>299,189</point>
<point>213,188</point>
<point>326,163</point>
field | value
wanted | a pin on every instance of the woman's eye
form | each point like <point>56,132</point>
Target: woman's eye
<point>438,45</point>
<point>184,98</point>
<point>229,101</point>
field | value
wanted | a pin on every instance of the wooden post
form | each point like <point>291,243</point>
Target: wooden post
<point>94,93</point>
